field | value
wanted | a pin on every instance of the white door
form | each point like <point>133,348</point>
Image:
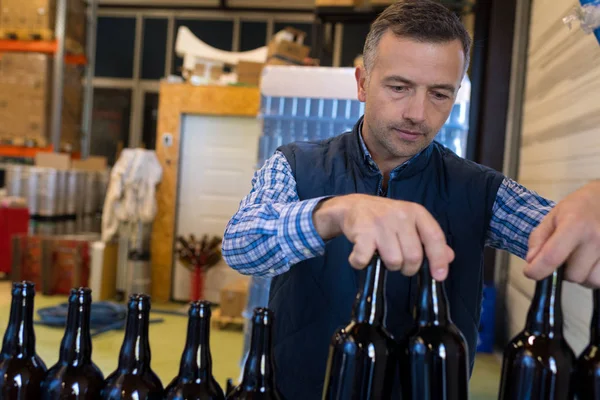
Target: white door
<point>217,160</point>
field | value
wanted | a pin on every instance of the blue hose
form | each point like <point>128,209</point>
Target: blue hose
<point>105,316</point>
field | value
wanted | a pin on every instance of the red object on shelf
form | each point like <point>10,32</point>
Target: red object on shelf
<point>28,152</point>
<point>198,284</point>
<point>40,46</point>
<point>13,221</point>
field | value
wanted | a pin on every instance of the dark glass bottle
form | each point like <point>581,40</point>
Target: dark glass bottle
<point>134,379</point>
<point>434,364</point>
<point>258,381</point>
<point>75,376</point>
<point>587,382</point>
<point>538,362</point>
<point>21,369</point>
<point>195,380</point>
<point>363,356</point>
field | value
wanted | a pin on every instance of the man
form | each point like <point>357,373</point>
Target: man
<point>318,209</point>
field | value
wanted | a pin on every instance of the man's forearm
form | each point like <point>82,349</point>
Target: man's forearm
<point>267,239</point>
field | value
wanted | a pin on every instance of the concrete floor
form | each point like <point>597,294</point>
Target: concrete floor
<point>167,340</point>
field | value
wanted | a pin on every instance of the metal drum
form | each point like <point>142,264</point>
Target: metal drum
<point>90,192</point>
<point>47,192</point>
<point>32,190</point>
<point>74,201</point>
<point>16,180</point>
<point>61,196</point>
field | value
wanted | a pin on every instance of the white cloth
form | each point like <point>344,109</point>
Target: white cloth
<point>130,197</point>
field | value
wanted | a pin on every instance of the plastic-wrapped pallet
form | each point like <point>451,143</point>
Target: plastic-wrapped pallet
<point>305,104</point>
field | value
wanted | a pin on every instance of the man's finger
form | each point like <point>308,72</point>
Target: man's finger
<point>580,263</point>
<point>539,236</point>
<point>434,240</point>
<point>553,252</point>
<point>412,249</point>
<point>593,279</point>
<point>389,250</point>
<point>362,253</point>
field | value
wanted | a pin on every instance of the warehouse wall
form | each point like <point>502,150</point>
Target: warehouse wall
<point>560,143</point>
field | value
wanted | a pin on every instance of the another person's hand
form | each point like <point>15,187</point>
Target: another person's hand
<point>569,233</point>
<point>398,230</point>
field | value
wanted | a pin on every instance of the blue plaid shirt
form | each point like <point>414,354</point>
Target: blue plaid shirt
<point>273,229</point>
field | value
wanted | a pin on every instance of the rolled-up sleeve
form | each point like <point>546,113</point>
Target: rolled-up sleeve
<point>272,229</point>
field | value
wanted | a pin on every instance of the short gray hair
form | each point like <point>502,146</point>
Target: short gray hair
<point>421,20</point>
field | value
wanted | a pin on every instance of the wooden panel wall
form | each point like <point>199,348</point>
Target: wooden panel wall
<point>560,144</point>
<point>176,100</point>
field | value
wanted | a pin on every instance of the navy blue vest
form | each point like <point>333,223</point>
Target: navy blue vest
<point>315,297</point>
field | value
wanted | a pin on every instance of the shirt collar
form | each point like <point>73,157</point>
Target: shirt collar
<point>369,160</point>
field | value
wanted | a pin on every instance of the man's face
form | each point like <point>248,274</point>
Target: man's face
<point>408,94</point>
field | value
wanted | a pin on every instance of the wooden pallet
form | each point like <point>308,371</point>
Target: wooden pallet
<point>27,35</point>
<point>222,322</point>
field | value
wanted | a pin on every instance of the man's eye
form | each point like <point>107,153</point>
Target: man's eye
<point>398,89</point>
<point>440,96</point>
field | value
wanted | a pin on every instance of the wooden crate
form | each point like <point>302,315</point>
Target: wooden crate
<point>222,322</point>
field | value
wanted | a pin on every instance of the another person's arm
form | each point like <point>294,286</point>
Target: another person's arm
<point>516,213</point>
<point>272,230</point>
<point>548,234</point>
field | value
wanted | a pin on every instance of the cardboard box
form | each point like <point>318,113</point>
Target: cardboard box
<point>249,72</point>
<point>234,298</point>
<point>53,160</point>
<point>289,52</point>
<point>92,163</point>
<point>288,46</point>
<point>38,17</point>
<point>26,99</point>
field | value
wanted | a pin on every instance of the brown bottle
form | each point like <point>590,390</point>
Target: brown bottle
<point>538,362</point>
<point>75,376</point>
<point>258,382</point>
<point>587,381</point>
<point>434,364</point>
<point>134,379</point>
<point>195,380</point>
<point>21,369</point>
<point>363,356</point>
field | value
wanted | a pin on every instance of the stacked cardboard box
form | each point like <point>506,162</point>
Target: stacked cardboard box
<point>287,48</point>
<point>26,99</point>
<point>36,19</point>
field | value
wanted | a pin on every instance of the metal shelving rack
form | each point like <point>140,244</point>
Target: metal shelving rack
<point>59,69</point>
<point>57,47</point>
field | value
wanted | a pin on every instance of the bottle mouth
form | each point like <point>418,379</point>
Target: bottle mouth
<point>81,295</point>
<point>23,288</point>
<point>263,316</point>
<point>139,301</point>
<point>200,309</point>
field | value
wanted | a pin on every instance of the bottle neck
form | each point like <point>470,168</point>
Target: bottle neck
<point>196,362</point>
<point>545,312</point>
<point>259,367</point>
<point>595,324</point>
<point>19,339</point>
<point>369,307</point>
<point>135,353</point>
<point>432,305</point>
<point>76,346</point>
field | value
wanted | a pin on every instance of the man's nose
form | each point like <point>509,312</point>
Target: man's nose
<point>415,110</point>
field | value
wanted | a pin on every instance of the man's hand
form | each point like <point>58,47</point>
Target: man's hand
<point>569,233</point>
<point>398,230</point>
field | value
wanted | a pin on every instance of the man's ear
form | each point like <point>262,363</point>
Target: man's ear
<point>361,82</point>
